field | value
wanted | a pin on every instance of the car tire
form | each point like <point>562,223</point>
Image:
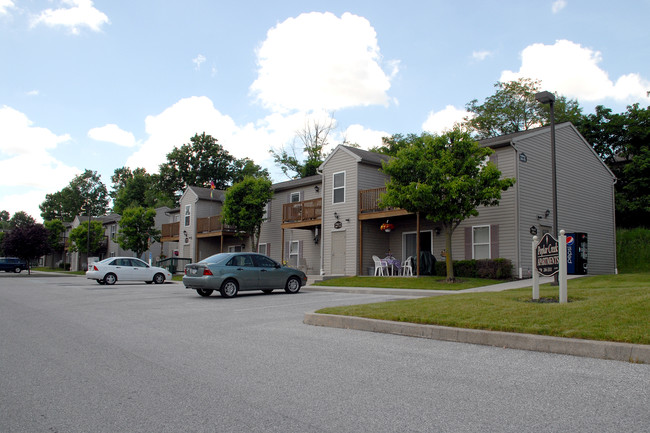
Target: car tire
<point>159,278</point>
<point>17,269</point>
<point>204,292</point>
<point>148,282</point>
<point>100,282</point>
<point>293,285</point>
<point>267,291</point>
<point>229,289</point>
<point>110,279</point>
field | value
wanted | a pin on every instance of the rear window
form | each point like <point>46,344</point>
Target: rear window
<point>217,258</point>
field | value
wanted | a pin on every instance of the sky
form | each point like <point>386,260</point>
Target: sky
<point>106,84</point>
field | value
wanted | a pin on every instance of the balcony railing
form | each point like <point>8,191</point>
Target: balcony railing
<point>301,211</point>
<point>369,201</point>
<point>171,230</point>
<point>213,224</point>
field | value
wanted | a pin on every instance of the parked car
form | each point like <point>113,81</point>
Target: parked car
<point>231,272</point>
<point>113,269</point>
<point>12,264</point>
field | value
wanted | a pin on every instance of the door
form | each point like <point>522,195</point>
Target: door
<point>338,253</point>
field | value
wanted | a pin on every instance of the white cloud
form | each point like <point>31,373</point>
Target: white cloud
<point>111,133</point>
<point>25,162</point>
<point>320,61</point>
<point>558,5</point>
<point>481,55</point>
<point>444,120</point>
<point>572,70</point>
<point>198,60</point>
<point>80,13</point>
<point>33,93</point>
<point>364,137</point>
<point>5,5</point>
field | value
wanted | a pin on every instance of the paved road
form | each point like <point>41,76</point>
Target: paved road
<point>79,357</point>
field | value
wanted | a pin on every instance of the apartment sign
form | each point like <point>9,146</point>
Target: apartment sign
<point>547,256</point>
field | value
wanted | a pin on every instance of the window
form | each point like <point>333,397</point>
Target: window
<point>294,253</point>
<point>242,260</point>
<point>262,249</point>
<point>264,262</point>
<point>481,242</point>
<point>113,231</point>
<point>188,213</point>
<point>267,211</point>
<point>409,243</point>
<point>295,197</point>
<point>338,187</point>
<point>234,249</point>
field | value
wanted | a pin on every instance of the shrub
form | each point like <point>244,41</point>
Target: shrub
<point>495,269</point>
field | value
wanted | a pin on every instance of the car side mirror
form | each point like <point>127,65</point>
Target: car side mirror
<point>278,266</point>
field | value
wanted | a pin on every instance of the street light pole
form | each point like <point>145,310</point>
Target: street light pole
<point>549,98</point>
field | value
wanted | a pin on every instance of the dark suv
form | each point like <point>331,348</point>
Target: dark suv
<point>12,264</point>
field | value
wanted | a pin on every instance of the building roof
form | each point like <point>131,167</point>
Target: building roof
<point>505,140</point>
<point>317,179</point>
<point>204,193</point>
<point>367,156</point>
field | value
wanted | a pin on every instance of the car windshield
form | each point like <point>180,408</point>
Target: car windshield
<point>217,258</point>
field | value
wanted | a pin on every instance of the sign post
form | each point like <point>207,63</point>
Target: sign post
<point>535,273</point>
<point>563,267</point>
<point>550,258</point>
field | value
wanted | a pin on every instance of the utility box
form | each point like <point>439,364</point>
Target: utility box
<point>576,253</point>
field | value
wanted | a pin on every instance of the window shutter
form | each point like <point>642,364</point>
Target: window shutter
<point>495,159</point>
<point>468,243</point>
<point>268,249</point>
<point>494,241</point>
<point>287,250</point>
<point>300,249</point>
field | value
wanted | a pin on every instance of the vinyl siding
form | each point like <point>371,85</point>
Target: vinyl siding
<point>585,195</point>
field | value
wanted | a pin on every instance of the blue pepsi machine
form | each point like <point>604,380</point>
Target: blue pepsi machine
<point>576,253</point>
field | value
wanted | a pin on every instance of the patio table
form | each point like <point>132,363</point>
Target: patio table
<point>395,265</point>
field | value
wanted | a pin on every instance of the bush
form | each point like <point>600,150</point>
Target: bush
<point>633,250</point>
<point>495,269</point>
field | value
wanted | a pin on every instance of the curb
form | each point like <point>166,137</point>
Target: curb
<point>637,353</point>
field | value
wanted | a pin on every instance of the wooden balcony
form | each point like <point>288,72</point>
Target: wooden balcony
<point>305,213</point>
<point>369,205</point>
<point>170,232</point>
<point>213,226</point>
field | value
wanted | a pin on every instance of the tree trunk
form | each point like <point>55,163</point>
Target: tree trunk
<point>450,264</point>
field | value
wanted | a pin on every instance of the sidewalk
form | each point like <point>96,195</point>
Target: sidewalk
<point>539,343</point>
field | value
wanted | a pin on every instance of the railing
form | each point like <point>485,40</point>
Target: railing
<point>307,210</point>
<point>213,224</point>
<point>171,230</point>
<point>369,200</point>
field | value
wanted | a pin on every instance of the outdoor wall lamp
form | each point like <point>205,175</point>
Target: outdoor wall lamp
<point>437,230</point>
<point>336,215</point>
<point>316,188</point>
<point>185,233</point>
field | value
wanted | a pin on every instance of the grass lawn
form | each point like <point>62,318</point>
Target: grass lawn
<point>422,283</point>
<point>610,308</point>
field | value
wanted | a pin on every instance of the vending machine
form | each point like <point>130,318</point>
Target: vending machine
<point>576,253</point>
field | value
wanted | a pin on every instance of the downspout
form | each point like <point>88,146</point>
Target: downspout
<point>517,219</point>
<point>614,226</point>
<point>322,225</point>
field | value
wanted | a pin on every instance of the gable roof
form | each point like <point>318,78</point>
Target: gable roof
<point>204,193</point>
<point>505,140</point>
<point>316,179</point>
<point>361,156</point>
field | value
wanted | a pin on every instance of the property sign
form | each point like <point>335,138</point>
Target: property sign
<point>547,255</point>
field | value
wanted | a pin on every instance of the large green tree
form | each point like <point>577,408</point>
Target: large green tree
<point>307,152</point>
<point>245,204</point>
<point>79,238</point>
<point>136,188</point>
<point>21,219</point>
<point>444,178</point>
<point>513,108</point>
<point>137,229</point>
<point>199,163</point>
<point>85,193</point>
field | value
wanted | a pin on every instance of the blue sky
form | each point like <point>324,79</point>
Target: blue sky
<point>104,84</point>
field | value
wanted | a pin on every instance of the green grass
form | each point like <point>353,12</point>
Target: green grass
<point>633,250</point>
<point>178,277</point>
<point>610,308</point>
<point>422,283</point>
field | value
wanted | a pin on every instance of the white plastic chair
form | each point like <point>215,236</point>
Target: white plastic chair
<point>407,267</point>
<point>380,265</point>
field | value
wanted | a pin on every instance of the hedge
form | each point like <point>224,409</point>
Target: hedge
<point>495,269</point>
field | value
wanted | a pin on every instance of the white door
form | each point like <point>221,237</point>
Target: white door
<point>338,253</point>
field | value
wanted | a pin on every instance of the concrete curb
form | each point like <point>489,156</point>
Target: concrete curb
<point>567,346</point>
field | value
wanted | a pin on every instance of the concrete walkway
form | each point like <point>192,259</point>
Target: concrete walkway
<point>540,343</point>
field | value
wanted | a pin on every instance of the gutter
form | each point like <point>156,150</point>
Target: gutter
<point>517,218</point>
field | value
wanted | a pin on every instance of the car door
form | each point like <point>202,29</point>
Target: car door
<point>242,268</point>
<point>270,275</point>
<point>140,271</point>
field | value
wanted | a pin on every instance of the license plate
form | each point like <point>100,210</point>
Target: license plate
<point>193,271</point>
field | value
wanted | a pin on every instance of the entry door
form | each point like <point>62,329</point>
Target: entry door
<point>338,253</point>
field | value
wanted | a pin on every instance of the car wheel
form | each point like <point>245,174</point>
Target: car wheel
<point>110,279</point>
<point>159,278</point>
<point>293,285</point>
<point>148,282</point>
<point>204,292</point>
<point>100,282</point>
<point>17,270</point>
<point>229,289</point>
<point>267,291</point>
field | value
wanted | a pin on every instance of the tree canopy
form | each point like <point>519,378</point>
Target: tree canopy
<point>27,242</point>
<point>307,152</point>
<point>86,192</point>
<point>136,188</point>
<point>245,204</point>
<point>444,178</point>
<point>137,229</point>
<point>79,238</point>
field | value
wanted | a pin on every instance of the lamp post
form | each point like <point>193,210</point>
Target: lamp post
<point>549,98</point>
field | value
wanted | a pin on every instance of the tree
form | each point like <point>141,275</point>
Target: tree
<point>27,242</point>
<point>79,237</point>
<point>513,108</point>
<point>4,219</point>
<point>395,143</point>
<point>55,229</point>
<point>444,178</point>
<point>137,229</point>
<point>245,204</point>
<point>21,219</point>
<point>136,188</point>
<point>86,192</point>
<point>313,139</point>
<point>198,163</point>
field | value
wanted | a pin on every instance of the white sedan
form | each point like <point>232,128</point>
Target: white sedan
<point>113,269</point>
